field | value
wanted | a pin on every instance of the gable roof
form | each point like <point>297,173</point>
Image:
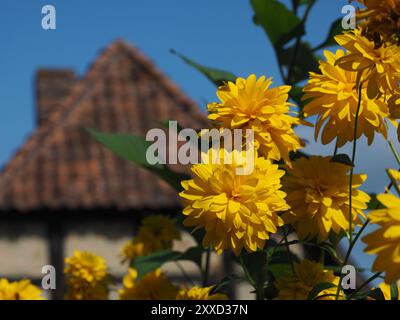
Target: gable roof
<point>61,167</point>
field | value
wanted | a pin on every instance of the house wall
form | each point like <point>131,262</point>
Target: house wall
<point>26,246</point>
<point>23,249</point>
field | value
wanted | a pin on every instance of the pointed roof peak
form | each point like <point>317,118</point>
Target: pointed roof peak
<point>60,166</point>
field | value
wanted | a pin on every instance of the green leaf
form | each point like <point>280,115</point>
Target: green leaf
<point>306,61</point>
<point>330,249</point>
<point>335,29</point>
<point>376,294</point>
<point>193,254</point>
<point>149,263</point>
<point>225,282</point>
<point>280,24</point>
<point>146,264</point>
<point>280,260</point>
<point>217,76</point>
<point>338,269</point>
<point>133,148</point>
<point>254,264</point>
<point>302,2</point>
<point>373,203</point>
<point>280,270</point>
<point>394,291</point>
<point>314,293</point>
<point>271,292</point>
<point>281,256</point>
<point>296,94</point>
<point>335,238</point>
<point>342,158</point>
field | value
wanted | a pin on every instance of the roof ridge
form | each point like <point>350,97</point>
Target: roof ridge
<point>159,75</point>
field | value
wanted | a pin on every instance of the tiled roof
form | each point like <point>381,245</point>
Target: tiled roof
<point>61,167</point>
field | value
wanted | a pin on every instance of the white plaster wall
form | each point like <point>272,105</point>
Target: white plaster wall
<point>23,250</point>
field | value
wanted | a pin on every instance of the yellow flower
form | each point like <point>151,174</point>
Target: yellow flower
<point>251,104</point>
<point>236,211</point>
<point>198,293</point>
<point>307,274</point>
<point>153,286</point>
<point>97,292</point>
<point>385,241</point>
<point>334,98</point>
<point>318,194</point>
<point>86,276</point>
<point>132,249</point>
<point>387,292</point>
<point>394,105</point>
<point>19,290</point>
<point>380,67</point>
<point>156,233</point>
<point>381,18</point>
<point>394,110</point>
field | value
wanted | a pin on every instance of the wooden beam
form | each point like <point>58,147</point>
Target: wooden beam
<point>56,255</point>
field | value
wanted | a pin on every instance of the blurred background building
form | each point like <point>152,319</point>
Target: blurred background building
<point>63,191</point>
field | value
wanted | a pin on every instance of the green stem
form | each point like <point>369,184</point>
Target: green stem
<point>348,253</point>
<point>393,182</point>
<point>347,257</point>
<point>336,148</point>
<point>185,275</point>
<point>260,285</point>
<point>207,268</point>
<point>287,247</point>
<point>297,44</point>
<point>295,6</point>
<point>246,272</point>
<point>376,275</point>
<point>353,158</point>
<point>395,153</point>
<point>257,284</point>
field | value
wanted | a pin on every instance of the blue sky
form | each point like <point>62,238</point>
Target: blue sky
<point>216,33</point>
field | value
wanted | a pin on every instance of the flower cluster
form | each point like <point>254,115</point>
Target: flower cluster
<point>355,94</point>
<point>307,274</point>
<point>153,286</point>
<point>156,233</point>
<point>251,104</point>
<point>385,241</point>
<point>19,290</point>
<point>86,277</point>
<point>156,286</point>
<point>381,19</point>
<point>199,293</point>
<point>332,97</point>
<point>319,200</point>
<point>378,69</point>
<point>237,211</point>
